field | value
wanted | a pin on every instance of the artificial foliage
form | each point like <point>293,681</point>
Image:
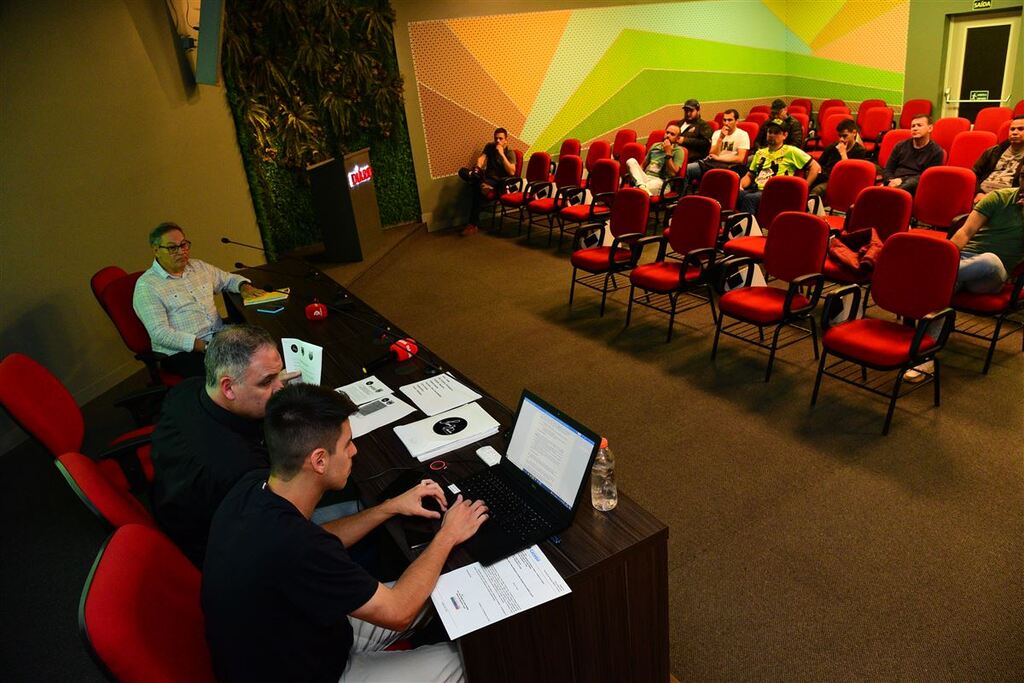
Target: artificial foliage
<point>308,80</point>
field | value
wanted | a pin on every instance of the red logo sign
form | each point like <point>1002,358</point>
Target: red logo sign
<point>360,175</point>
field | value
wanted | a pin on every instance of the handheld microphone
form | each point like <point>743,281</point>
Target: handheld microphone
<point>400,350</point>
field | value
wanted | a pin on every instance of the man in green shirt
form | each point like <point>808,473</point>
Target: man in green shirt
<point>660,164</point>
<point>777,158</point>
<point>991,241</point>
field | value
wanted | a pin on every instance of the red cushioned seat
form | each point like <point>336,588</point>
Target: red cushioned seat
<point>752,247</point>
<point>515,193</point>
<point>581,212</point>
<point>546,205</point>
<point>602,183</point>
<point>758,304</point>
<point>100,493</point>
<point>513,199</point>
<point>663,276</point>
<point>983,304</point>
<point>596,258</point>
<point>878,342</point>
<point>1000,306</point>
<point>568,181</point>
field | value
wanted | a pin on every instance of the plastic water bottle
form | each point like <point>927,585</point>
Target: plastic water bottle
<point>603,493</point>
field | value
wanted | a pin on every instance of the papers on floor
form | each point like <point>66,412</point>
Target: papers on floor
<point>378,406</point>
<point>440,434</point>
<point>304,357</point>
<point>437,394</point>
<point>474,596</point>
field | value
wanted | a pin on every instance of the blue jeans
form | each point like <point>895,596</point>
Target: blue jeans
<point>693,172</point>
<point>980,273</point>
<point>749,200</point>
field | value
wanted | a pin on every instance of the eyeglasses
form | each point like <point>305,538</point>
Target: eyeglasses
<point>175,248</point>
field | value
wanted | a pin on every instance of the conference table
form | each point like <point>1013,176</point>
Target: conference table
<point>613,626</point>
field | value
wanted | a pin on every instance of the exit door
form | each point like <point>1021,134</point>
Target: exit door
<point>980,60</point>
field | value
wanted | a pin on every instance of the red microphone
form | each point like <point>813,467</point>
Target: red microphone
<point>316,311</point>
<point>400,350</point>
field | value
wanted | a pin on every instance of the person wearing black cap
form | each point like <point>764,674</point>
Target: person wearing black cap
<point>776,159</point>
<point>780,115</point>
<point>694,132</point>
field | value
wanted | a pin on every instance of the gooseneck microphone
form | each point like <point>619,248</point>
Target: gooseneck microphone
<point>226,240</point>
<point>399,351</point>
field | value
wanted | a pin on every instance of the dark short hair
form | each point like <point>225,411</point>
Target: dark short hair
<point>923,116</point>
<point>847,125</point>
<point>774,127</point>
<point>735,113</point>
<point>500,130</point>
<point>159,231</point>
<point>301,418</point>
<point>231,350</point>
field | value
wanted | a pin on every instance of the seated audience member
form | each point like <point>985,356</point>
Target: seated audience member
<point>780,115</point>
<point>997,167</point>
<point>694,132</point>
<point>777,158</point>
<point>729,148</point>
<point>174,300</point>
<point>496,162</point>
<point>211,433</point>
<point>991,241</point>
<point>282,598</point>
<point>910,158</point>
<point>846,147</point>
<point>661,163</point>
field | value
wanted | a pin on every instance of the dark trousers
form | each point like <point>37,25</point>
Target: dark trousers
<point>185,364</point>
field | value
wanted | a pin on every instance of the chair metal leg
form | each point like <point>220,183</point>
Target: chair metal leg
<point>814,336</point>
<point>572,287</point>
<point>718,332</point>
<point>892,399</point>
<point>817,379</point>
<point>604,291</point>
<point>771,354</point>
<point>629,306</point>
<point>672,315</point>
<point>937,366</point>
<point>992,346</point>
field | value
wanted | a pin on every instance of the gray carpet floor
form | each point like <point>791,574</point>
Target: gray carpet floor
<point>803,544</point>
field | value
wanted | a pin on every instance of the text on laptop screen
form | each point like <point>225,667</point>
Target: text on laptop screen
<point>549,451</point>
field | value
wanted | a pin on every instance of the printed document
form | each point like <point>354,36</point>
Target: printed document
<point>365,390</point>
<point>474,596</point>
<point>437,394</point>
<point>303,356</point>
<point>434,436</point>
<point>377,413</point>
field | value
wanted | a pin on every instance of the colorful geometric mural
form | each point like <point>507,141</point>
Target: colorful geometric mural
<point>586,73</point>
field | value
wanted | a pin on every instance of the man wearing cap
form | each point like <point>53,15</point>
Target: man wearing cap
<point>776,159</point>
<point>780,115</point>
<point>694,132</point>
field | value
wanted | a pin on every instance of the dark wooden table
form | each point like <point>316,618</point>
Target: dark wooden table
<point>614,624</point>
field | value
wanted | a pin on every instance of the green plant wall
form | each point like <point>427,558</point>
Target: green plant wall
<point>308,80</point>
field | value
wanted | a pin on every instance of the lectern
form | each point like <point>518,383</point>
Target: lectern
<point>345,205</point>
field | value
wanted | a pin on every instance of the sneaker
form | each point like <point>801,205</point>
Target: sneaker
<point>919,373</point>
<point>469,230</point>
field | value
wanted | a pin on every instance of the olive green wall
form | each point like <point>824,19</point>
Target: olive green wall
<point>926,47</point>
<point>102,140</point>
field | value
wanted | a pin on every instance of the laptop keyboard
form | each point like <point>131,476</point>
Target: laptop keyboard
<point>505,507</point>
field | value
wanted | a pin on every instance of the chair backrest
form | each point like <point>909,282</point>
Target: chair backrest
<point>140,610</point>
<point>943,193</point>
<point>714,125</point>
<point>1003,134</point>
<point>519,162</point>
<point>653,138</point>
<point>836,108</point>
<point>886,209</point>
<point>604,177</point>
<point>570,147</point>
<point>891,139</point>
<point>875,120</point>
<point>804,119</point>
<point>116,300</point>
<point>722,185</point>
<point>831,103</point>
<point>40,404</point>
<point>537,168</point>
<point>828,131</point>
<point>599,149</point>
<point>914,274</point>
<point>102,278</point>
<point>781,193</point>
<point>946,129</point>
<point>1018,109</point>
<point>105,499</point>
<point>633,150</point>
<point>799,109</point>
<point>802,102</point>
<point>912,108</point>
<point>990,118</point>
<point>630,211</point>
<point>968,146</point>
<point>719,117</point>
<point>570,171</point>
<point>864,107</point>
<point>845,182</point>
<point>623,137</point>
<point>695,223</point>
<point>763,108</point>
<point>757,117</point>
<point>796,245</point>
<point>751,130</point>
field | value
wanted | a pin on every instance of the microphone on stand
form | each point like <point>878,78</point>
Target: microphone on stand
<point>400,350</point>
<point>226,240</point>
<point>311,274</point>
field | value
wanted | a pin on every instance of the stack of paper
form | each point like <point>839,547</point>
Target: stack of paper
<point>437,394</point>
<point>266,297</point>
<point>378,406</point>
<point>440,434</point>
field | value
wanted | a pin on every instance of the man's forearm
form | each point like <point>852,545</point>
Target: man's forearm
<point>353,528</point>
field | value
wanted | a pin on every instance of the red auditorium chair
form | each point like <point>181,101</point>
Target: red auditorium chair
<point>722,185</point>
<point>719,117</point>
<point>823,110</point>
<point>912,108</point>
<point>805,122</point>
<point>140,612</point>
<point>491,198</point>
<point>601,264</point>
<point>570,147</point>
<point>670,191</point>
<point>760,108</point>
<point>914,279</point>
<point>1003,134</point>
<point>623,137</point>
<point>781,194</point>
<point>653,138</point>
<point>598,150</point>
<point>516,193</point>
<point>43,407</point>
<point>946,129</point>
<point>604,181</point>
<point>890,140</point>
<point>714,125</point>
<point>751,129</point>
<point>827,134</point>
<point>549,198</point>
<point>794,253</point>
<point>757,117</point>
<point>795,109</point>
<point>877,123</point>
<point>943,198</point>
<point>988,313</point>
<point>693,235</point>
<point>633,150</point>
<point>848,178</point>
<point>990,118</point>
<point>1018,109</point>
<point>803,102</point>
<point>864,107</point>
<point>968,146</point>
<point>115,506</point>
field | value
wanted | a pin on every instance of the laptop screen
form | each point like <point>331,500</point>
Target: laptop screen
<point>550,450</point>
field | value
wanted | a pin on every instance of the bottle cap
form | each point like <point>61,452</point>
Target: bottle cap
<point>604,442</point>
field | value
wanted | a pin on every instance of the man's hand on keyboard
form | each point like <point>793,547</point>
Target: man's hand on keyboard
<point>411,502</point>
<point>462,520</point>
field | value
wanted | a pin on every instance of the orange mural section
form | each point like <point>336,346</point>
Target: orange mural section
<point>863,46</point>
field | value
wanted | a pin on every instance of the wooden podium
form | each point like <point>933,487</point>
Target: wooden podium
<point>345,205</point>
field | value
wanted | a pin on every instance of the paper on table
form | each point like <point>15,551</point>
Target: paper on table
<point>303,356</point>
<point>377,413</point>
<point>440,393</point>
<point>365,390</point>
<point>474,596</point>
<point>433,436</point>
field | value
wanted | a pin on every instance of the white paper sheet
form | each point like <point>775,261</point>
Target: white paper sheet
<point>474,596</point>
<point>377,413</point>
<point>434,436</point>
<point>438,394</point>
<point>304,357</point>
<point>365,390</point>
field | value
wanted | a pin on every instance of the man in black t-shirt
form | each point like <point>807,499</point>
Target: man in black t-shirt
<point>911,158</point>
<point>282,598</point>
<point>497,161</point>
<point>210,433</point>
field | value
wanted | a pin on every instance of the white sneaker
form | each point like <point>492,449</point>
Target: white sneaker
<point>920,372</point>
